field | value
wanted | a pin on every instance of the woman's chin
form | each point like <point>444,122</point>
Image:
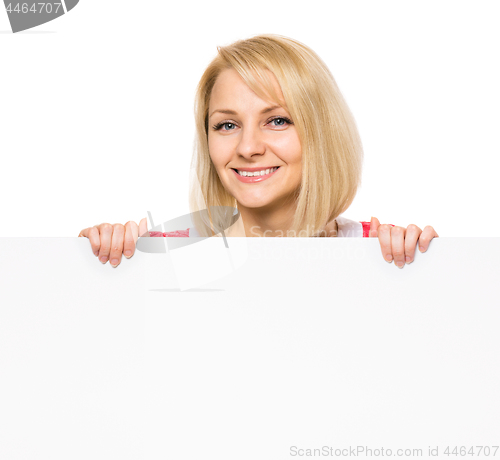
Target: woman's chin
<point>254,202</point>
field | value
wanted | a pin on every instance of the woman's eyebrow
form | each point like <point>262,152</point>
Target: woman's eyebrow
<point>232,112</point>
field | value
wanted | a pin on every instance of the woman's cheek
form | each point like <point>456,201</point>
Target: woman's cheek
<point>214,149</point>
<point>211,147</point>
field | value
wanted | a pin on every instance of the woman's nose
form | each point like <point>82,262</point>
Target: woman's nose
<point>251,142</point>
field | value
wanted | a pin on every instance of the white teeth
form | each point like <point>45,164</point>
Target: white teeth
<point>256,173</point>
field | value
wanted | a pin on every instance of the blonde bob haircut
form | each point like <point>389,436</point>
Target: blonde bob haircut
<point>332,153</point>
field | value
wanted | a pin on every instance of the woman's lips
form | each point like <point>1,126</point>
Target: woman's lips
<point>253,179</point>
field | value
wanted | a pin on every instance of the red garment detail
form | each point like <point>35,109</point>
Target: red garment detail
<point>176,233</point>
<point>366,228</point>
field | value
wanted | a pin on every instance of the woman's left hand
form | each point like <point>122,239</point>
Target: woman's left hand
<point>399,243</point>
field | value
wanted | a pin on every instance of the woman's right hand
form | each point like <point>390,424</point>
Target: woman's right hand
<point>108,241</point>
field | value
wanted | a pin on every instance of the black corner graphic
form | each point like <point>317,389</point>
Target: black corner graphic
<point>70,4</point>
<point>25,15</point>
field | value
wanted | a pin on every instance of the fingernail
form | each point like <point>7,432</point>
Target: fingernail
<point>114,262</point>
<point>127,253</point>
<point>96,253</point>
<point>103,259</point>
<point>400,264</point>
<point>408,259</point>
<point>388,257</point>
<point>421,249</point>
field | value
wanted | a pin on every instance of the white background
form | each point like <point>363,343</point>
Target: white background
<point>96,107</point>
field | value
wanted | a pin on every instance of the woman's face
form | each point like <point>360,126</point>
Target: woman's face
<point>247,134</point>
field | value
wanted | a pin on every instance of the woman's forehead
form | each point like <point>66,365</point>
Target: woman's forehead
<point>231,87</point>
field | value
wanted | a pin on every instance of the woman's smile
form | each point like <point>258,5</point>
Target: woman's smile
<point>254,175</point>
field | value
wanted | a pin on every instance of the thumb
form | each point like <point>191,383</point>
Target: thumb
<point>143,227</point>
<point>374,224</point>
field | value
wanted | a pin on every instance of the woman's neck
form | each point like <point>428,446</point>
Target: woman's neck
<point>273,224</point>
<point>252,225</point>
<point>254,222</point>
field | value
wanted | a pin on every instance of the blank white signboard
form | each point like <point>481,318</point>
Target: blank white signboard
<point>303,348</point>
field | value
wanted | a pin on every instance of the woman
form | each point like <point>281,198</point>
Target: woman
<point>276,140</point>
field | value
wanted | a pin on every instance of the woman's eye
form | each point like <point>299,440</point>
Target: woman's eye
<point>281,121</point>
<point>225,126</point>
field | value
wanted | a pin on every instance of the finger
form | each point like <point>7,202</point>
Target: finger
<point>143,228</point>
<point>425,238</point>
<point>92,233</point>
<point>115,256</point>
<point>374,225</point>
<point>398,245</point>
<point>411,238</point>
<point>105,234</point>
<point>94,239</point>
<point>131,235</point>
<point>384,237</point>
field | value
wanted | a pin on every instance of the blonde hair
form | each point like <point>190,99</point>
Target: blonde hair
<point>332,153</point>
